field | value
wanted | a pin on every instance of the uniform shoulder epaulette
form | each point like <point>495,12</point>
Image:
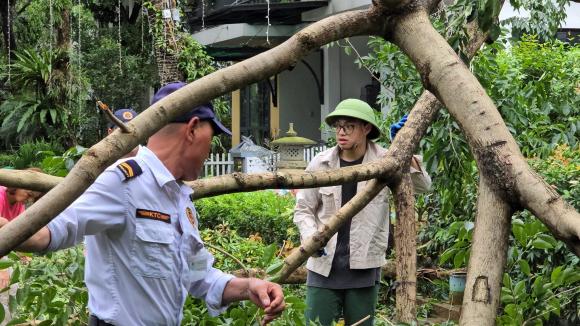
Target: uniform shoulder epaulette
<point>130,169</point>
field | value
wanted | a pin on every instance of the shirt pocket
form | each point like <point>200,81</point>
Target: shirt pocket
<point>328,207</point>
<point>152,254</point>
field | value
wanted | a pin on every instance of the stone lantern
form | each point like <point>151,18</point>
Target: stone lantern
<point>291,149</point>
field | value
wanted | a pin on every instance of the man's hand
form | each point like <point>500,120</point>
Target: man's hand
<point>264,294</point>
<point>3,221</point>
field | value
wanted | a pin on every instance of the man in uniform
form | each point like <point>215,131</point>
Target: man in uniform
<point>144,251</point>
<point>343,280</point>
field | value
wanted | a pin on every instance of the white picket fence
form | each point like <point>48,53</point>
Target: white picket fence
<point>222,163</point>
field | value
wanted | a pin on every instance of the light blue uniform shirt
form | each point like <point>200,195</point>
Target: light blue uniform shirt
<point>139,270</point>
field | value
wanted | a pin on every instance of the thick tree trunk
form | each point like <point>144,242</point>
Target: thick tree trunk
<point>496,151</point>
<point>488,257</point>
<point>406,251</point>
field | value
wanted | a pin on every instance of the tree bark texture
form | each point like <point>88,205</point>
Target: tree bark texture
<point>497,154</point>
<point>406,251</point>
<point>104,153</point>
<point>489,246</point>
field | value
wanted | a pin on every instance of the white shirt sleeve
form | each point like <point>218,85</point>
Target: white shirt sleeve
<point>101,207</point>
<point>211,289</point>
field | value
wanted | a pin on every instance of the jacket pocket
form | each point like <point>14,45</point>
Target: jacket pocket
<point>152,254</point>
<point>328,207</point>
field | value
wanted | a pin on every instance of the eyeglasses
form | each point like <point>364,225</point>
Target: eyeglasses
<point>347,127</point>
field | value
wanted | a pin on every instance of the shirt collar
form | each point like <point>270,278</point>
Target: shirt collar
<point>159,171</point>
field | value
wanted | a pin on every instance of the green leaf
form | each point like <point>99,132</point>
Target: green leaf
<point>538,289</point>
<point>511,309</point>
<point>541,244</point>
<point>459,259</point>
<point>548,238</point>
<point>24,118</point>
<point>15,277</point>
<point>555,277</point>
<point>53,115</point>
<point>269,254</point>
<point>275,268</point>
<point>520,288</point>
<point>524,267</point>
<point>507,281</point>
<point>519,234</point>
<point>5,264</point>
<point>447,254</point>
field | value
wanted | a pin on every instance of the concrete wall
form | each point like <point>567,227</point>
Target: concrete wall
<point>352,77</point>
<point>298,97</point>
<point>298,100</point>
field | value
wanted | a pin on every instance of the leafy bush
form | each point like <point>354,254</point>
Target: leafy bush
<point>50,289</point>
<point>542,280</point>
<point>263,212</point>
<point>253,253</point>
<point>29,154</point>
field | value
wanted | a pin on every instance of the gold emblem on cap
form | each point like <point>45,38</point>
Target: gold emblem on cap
<point>190,217</point>
<point>127,115</point>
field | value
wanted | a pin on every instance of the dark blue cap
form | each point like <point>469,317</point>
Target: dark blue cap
<point>125,115</point>
<point>203,112</point>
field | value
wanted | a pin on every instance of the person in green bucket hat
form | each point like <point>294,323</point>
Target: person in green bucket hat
<point>343,278</point>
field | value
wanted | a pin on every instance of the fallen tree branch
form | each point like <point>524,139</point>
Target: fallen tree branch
<point>497,154</point>
<point>388,271</point>
<point>259,67</point>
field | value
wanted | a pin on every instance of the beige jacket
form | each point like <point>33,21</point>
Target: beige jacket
<point>369,232</point>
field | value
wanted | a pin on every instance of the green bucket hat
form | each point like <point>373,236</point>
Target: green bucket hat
<point>354,108</point>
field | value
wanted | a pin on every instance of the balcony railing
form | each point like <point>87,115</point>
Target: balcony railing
<point>216,12</point>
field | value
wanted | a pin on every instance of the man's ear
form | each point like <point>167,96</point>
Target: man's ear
<point>368,128</point>
<point>191,126</point>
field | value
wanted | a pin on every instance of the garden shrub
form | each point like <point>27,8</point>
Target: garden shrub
<point>263,212</point>
<point>29,154</point>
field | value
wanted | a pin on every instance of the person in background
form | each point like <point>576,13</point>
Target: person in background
<point>144,249</point>
<point>125,115</point>
<point>343,278</point>
<point>13,202</point>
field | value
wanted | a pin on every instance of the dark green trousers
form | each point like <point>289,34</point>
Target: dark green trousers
<point>327,305</point>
